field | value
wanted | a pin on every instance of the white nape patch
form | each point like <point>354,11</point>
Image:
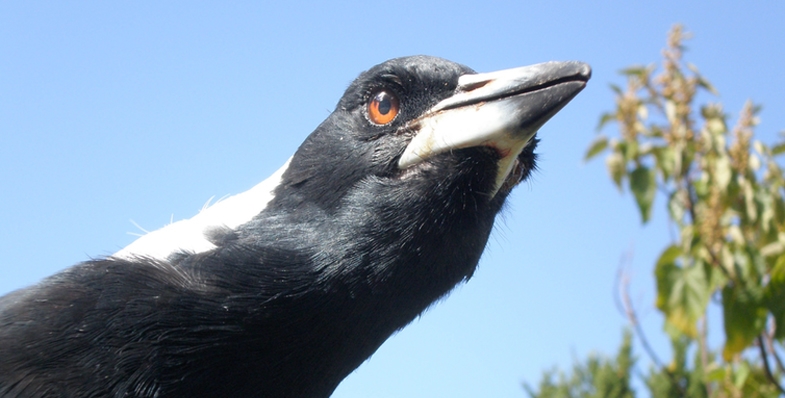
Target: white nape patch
<point>189,235</point>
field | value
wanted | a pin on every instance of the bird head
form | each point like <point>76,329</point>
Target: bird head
<point>429,121</point>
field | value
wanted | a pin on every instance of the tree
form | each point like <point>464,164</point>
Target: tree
<point>724,195</point>
<point>599,377</point>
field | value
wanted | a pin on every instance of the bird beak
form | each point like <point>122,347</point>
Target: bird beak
<point>502,110</point>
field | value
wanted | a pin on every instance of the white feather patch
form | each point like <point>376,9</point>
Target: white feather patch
<point>189,235</point>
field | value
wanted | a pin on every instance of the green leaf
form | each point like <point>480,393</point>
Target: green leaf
<point>778,149</point>
<point>717,374</point>
<point>766,207</point>
<point>775,296</point>
<point>615,163</point>
<point>742,373</point>
<point>630,150</point>
<point>701,185</point>
<point>643,111</point>
<point>716,125</point>
<point>662,271</point>
<point>749,201</point>
<point>774,248</point>
<point>643,185</point>
<point>779,210</point>
<point>669,255</point>
<point>606,118</point>
<point>744,316</point>
<point>638,70</point>
<point>670,111</point>
<point>754,162</point>
<point>596,147</point>
<point>707,85</point>
<point>716,277</point>
<point>666,160</point>
<point>722,172</point>
<point>682,291</point>
<point>676,207</point>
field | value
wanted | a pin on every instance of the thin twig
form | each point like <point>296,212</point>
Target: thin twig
<point>632,316</point>
<point>624,305</point>
<point>765,358</point>
<point>617,287</point>
<point>770,345</point>
<point>704,350</point>
<point>629,310</point>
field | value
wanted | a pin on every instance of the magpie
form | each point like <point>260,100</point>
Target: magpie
<point>284,290</point>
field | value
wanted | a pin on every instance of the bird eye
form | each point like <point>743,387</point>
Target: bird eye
<point>383,107</point>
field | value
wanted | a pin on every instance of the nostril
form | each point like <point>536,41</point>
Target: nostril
<point>474,85</point>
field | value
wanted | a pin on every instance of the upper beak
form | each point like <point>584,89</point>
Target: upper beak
<point>502,109</point>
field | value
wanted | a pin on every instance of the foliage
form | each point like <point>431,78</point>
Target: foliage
<point>598,378</point>
<point>724,197</point>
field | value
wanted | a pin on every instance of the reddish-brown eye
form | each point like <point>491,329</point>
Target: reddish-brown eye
<point>383,107</point>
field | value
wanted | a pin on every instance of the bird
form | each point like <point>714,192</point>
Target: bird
<point>285,289</point>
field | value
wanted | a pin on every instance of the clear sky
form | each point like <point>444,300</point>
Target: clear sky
<point>117,114</point>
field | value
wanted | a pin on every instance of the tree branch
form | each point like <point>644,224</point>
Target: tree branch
<point>633,318</point>
<point>765,358</point>
<point>770,345</point>
<point>691,199</point>
<point>623,283</point>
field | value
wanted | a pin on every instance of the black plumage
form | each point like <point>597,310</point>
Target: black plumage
<point>359,237</point>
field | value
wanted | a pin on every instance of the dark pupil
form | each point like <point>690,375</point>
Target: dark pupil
<point>384,103</point>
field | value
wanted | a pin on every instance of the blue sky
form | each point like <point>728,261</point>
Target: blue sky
<point>124,113</point>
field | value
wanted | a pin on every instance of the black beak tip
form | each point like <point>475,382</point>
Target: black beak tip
<point>584,71</point>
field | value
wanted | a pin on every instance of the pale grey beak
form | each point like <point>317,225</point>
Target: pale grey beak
<point>502,110</point>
